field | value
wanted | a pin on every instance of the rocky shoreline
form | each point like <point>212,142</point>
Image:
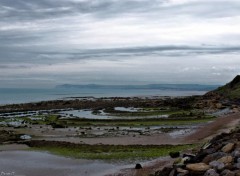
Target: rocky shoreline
<point>219,157</point>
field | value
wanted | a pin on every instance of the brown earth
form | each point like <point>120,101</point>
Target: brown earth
<point>221,124</point>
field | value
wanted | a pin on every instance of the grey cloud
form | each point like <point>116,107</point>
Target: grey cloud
<point>39,33</point>
<point>111,54</point>
<point>35,9</point>
<point>206,9</point>
<point>2,66</point>
<point>23,10</point>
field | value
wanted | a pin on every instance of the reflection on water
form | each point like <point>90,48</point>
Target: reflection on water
<point>84,114</point>
<point>47,164</point>
<point>88,114</point>
<point>128,109</point>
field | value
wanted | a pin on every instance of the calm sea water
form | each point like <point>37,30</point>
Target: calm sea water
<point>12,96</point>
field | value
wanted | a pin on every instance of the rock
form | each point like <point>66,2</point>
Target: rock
<point>186,160</point>
<point>227,173</point>
<point>211,172</point>
<point>217,165</point>
<point>189,158</point>
<point>198,167</point>
<point>237,165</point>
<point>226,159</point>
<point>165,172</point>
<point>174,154</point>
<point>237,173</point>
<point>173,172</point>
<point>182,172</point>
<point>178,163</point>
<point>25,137</point>
<point>228,148</point>
<point>212,157</point>
<point>236,153</point>
<point>200,155</point>
<point>138,166</point>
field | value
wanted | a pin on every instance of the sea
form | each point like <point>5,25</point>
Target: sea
<point>27,95</point>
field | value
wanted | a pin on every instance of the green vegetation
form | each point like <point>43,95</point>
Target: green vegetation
<point>134,122</point>
<point>155,112</point>
<point>230,90</point>
<point>41,119</point>
<point>182,117</point>
<point>114,152</point>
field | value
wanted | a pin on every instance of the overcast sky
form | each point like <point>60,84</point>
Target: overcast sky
<point>44,43</point>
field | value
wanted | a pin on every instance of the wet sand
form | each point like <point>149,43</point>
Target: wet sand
<point>221,124</point>
<point>29,163</point>
<point>158,139</point>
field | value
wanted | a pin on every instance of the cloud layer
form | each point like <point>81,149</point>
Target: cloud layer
<point>49,42</point>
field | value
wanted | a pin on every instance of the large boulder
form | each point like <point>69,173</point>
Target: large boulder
<point>198,167</point>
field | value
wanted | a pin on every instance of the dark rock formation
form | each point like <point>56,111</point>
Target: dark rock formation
<point>220,157</point>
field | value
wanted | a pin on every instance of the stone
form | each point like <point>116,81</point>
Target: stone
<point>236,153</point>
<point>212,157</point>
<point>228,148</point>
<point>217,165</point>
<point>138,166</point>
<point>164,172</point>
<point>210,150</point>
<point>227,173</point>
<point>201,155</point>
<point>182,171</point>
<point>174,154</point>
<point>173,172</point>
<point>189,158</point>
<point>211,172</point>
<point>226,159</point>
<point>237,173</point>
<point>198,167</point>
<point>237,165</point>
<point>25,137</point>
<point>179,162</point>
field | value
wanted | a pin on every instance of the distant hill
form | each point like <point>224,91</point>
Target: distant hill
<point>183,87</point>
<point>230,90</point>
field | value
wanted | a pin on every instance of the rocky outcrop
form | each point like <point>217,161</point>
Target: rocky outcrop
<point>230,90</point>
<point>219,157</point>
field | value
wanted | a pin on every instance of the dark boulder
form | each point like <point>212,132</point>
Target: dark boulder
<point>138,166</point>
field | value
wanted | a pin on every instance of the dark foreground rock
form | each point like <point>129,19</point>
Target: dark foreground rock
<point>219,157</point>
<point>138,166</point>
